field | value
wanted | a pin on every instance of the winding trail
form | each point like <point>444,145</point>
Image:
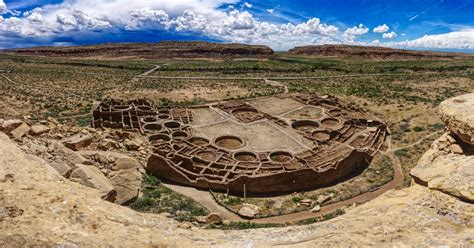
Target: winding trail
<point>289,78</point>
<point>417,142</point>
<point>157,67</point>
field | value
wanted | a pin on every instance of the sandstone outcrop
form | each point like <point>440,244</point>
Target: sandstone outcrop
<point>127,183</point>
<point>442,169</point>
<point>248,210</point>
<point>78,141</point>
<point>372,52</point>
<point>90,176</point>
<point>458,115</point>
<point>448,165</point>
<point>9,125</point>
<point>39,129</point>
<point>164,49</point>
<point>19,131</point>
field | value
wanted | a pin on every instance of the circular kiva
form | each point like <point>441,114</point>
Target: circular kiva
<point>321,135</point>
<point>172,124</point>
<point>335,112</point>
<point>244,110</point>
<point>144,108</point>
<point>148,119</point>
<point>280,156</point>
<point>152,127</point>
<point>179,135</point>
<point>305,125</point>
<point>121,108</point>
<point>164,111</point>
<point>229,142</point>
<point>163,116</point>
<point>159,138</point>
<point>207,155</point>
<point>329,122</point>
<point>199,141</point>
<point>245,156</point>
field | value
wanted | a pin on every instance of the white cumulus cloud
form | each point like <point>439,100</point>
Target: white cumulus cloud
<point>381,29</point>
<point>390,35</point>
<point>462,39</point>
<point>351,33</point>
<point>3,7</point>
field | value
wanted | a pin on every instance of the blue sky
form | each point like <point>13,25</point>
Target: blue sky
<point>280,24</point>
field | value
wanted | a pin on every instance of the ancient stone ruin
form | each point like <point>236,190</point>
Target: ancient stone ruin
<point>270,145</point>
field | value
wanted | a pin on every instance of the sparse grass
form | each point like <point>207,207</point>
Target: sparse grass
<point>158,199</point>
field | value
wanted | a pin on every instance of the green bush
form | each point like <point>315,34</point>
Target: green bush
<point>143,204</point>
<point>233,201</point>
<point>150,180</point>
<point>418,129</point>
<point>401,152</point>
<point>297,199</point>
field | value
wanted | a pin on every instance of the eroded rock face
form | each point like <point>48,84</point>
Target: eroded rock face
<point>127,184</point>
<point>39,129</point>
<point>248,210</point>
<point>78,141</point>
<point>9,125</point>
<point>19,131</point>
<point>90,176</point>
<point>458,115</point>
<point>446,169</point>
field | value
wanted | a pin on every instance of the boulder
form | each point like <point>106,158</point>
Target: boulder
<point>306,202</point>
<point>78,141</point>
<point>9,125</point>
<point>62,168</point>
<point>323,198</point>
<point>39,129</point>
<point>442,169</point>
<point>107,144</point>
<point>127,184</point>
<point>214,218</point>
<point>458,115</point>
<point>132,145</point>
<point>316,208</point>
<point>20,131</point>
<point>185,225</point>
<point>200,219</point>
<point>126,163</point>
<point>67,155</point>
<point>91,176</point>
<point>248,210</point>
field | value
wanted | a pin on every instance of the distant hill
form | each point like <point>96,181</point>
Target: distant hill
<point>369,52</point>
<point>165,49</point>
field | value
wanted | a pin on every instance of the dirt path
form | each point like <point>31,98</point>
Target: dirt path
<point>290,78</point>
<point>277,84</point>
<point>417,142</point>
<point>157,67</point>
<point>205,199</point>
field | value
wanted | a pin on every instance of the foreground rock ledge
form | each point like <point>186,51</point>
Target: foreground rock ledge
<point>458,115</point>
<point>39,207</point>
<point>442,169</point>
